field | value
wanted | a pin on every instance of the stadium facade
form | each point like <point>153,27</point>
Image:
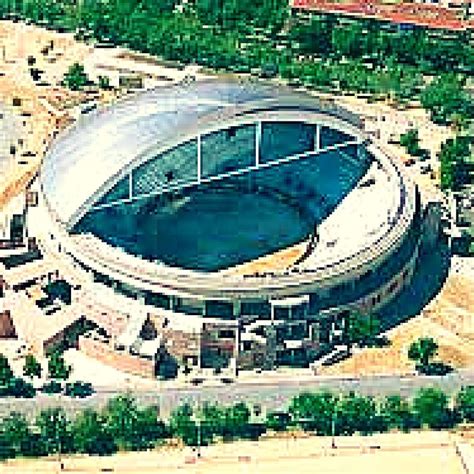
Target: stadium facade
<point>163,149</point>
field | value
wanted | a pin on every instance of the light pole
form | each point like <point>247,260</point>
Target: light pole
<point>198,426</point>
<point>333,429</point>
<point>56,419</point>
<point>197,420</point>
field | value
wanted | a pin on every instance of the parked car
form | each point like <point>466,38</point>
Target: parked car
<point>78,389</point>
<point>52,387</point>
<point>425,168</point>
<point>424,155</point>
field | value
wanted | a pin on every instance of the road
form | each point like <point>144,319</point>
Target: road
<point>268,394</point>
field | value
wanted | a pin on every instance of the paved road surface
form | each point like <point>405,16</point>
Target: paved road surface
<point>270,395</point>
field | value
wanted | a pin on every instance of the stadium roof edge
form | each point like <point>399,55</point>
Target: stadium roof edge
<point>110,140</point>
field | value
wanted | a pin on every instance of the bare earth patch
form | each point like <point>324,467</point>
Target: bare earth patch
<point>449,319</point>
<point>389,454</point>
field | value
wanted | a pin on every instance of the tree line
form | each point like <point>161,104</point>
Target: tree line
<point>125,425</point>
<point>359,56</point>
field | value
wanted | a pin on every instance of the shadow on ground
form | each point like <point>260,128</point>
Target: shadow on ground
<point>430,274</point>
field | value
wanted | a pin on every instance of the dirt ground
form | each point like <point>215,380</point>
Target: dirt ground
<point>426,452</point>
<point>449,319</point>
<point>38,121</point>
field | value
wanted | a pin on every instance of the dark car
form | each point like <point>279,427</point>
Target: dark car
<point>79,389</point>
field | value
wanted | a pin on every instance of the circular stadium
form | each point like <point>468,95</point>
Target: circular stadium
<point>232,200</point>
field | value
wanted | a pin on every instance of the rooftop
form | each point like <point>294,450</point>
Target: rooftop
<point>114,140</point>
<point>416,14</point>
<point>360,220</point>
<point>109,139</point>
<point>32,324</point>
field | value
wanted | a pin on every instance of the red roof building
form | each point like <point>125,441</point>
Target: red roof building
<point>418,14</point>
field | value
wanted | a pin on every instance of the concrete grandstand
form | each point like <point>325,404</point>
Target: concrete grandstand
<point>163,205</point>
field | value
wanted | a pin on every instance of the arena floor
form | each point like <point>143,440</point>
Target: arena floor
<point>207,231</point>
<point>224,224</point>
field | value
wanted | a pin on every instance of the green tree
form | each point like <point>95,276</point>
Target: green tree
<point>54,429</point>
<point>57,367</point>
<point>423,350</point>
<point>408,82</point>
<point>242,15</point>
<point>21,438</point>
<point>314,411</point>
<point>347,41</point>
<point>31,368</point>
<point>398,413</point>
<point>75,78</point>
<point>431,405</point>
<point>6,451</point>
<point>91,435</point>
<point>120,415</point>
<point>227,422</point>
<point>130,426</point>
<point>410,141</point>
<point>213,422</point>
<point>313,37</point>
<point>15,430</point>
<point>455,168</point>
<point>360,329</point>
<point>356,414</point>
<point>465,403</point>
<point>149,429</point>
<point>236,421</point>
<point>277,421</point>
<point>183,426</point>
<point>6,373</point>
<point>445,99</point>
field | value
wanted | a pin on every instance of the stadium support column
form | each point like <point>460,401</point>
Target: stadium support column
<point>236,309</point>
<point>236,349</point>
<point>258,139</point>
<point>130,185</point>
<point>199,158</point>
<point>317,138</point>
